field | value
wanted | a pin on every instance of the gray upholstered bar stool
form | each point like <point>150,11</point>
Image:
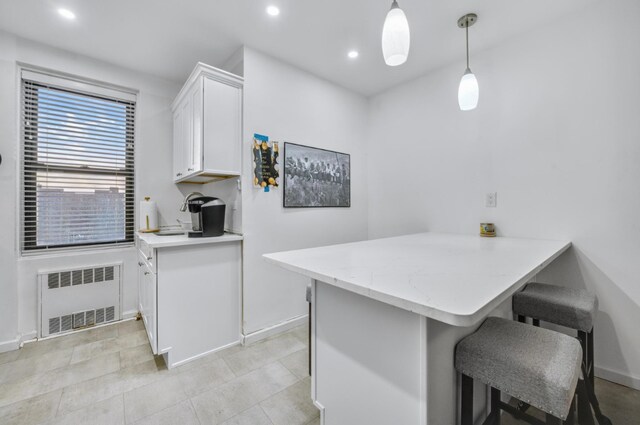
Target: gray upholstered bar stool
<point>535,365</point>
<point>571,308</point>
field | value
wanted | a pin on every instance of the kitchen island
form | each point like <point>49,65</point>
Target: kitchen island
<point>387,313</point>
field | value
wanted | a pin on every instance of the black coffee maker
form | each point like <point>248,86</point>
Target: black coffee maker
<point>207,215</point>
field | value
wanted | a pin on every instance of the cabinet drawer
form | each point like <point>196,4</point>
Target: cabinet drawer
<point>147,255</point>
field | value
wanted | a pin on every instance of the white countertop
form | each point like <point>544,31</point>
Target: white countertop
<point>456,279</point>
<point>155,241</point>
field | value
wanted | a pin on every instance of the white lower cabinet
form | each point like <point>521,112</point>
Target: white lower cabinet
<point>147,301</point>
<point>189,299</point>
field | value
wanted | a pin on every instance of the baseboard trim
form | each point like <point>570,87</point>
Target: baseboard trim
<point>190,359</point>
<point>16,343</point>
<point>10,345</point>
<point>28,336</point>
<point>274,330</point>
<point>320,407</point>
<point>129,314</point>
<point>618,377</point>
<point>33,335</point>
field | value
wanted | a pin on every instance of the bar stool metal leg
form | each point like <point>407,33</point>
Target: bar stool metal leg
<point>495,406</point>
<point>583,337</point>
<point>585,417</point>
<point>591,396</point>
<point>521,405</point>
<point>466,401</point>
<point>592,362</point>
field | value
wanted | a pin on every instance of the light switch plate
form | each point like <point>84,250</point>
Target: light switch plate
<point>492,199</point>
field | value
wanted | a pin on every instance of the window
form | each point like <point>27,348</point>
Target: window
<point>78,164</point>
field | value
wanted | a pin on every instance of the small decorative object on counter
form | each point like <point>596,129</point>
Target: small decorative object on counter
<point>265,162</point>
<point>487,230</point>
<point>148,216</point>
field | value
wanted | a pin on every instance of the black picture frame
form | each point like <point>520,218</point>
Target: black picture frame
<point>341,196</point>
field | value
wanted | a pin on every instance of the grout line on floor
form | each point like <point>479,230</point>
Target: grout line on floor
<point>59,401</point>
<point>124,411</point>
<point>236,376</point>
<point>194,410</point>
<point>266,414</point>
<point>284,366</point>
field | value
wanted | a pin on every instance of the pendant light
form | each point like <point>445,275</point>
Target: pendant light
<point>468,92</point>
<point>395,36</point>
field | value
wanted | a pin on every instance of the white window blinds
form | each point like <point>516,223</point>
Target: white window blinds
<point>78,164</point>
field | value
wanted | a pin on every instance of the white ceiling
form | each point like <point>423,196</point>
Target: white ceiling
<point>166,38</point>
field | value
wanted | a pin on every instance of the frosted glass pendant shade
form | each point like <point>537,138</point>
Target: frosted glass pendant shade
<point>468,92</point>
<point>395,37</point>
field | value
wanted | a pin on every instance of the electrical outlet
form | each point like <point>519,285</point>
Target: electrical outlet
<point>492,199</point>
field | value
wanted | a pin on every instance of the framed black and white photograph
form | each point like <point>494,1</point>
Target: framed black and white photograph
<point>316,177</point>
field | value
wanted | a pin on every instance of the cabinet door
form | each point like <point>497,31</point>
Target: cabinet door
<point>187,136</point>
<point>191,146</point>
<point>149,312</point>
<point>195,146</point>
<point>141,288</point>
<point>183,139</point>
<point>222,127</point>
<point>178,143</point>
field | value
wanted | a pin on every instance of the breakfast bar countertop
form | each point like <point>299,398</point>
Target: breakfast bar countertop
<point>451,278</point>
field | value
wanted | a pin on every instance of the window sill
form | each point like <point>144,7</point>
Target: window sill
<point>65,252</point>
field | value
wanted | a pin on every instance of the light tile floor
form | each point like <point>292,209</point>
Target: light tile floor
<point>619,403</point>
<point>109,376</point>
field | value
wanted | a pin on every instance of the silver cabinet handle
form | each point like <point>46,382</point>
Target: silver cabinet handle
<point>149,258</point>
<point>190,169</point>
<point>140,264</point>
<point>146,273</point>
<point>178,174</point>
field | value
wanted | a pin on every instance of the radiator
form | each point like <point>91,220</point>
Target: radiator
<point>78,298</point>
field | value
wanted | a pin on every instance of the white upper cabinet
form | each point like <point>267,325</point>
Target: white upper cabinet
<point>207,126</point>
<point>222,122</point>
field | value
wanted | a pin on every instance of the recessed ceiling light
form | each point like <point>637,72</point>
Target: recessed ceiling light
<point>353,54</point>
<point>273,11</point>
<point>67,14</point>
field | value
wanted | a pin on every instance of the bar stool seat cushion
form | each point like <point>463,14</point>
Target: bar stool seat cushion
<point>573,308</point>
<point>538,366</point>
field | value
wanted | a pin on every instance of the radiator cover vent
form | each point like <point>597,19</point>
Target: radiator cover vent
<point>79,298</point>
<point>80,277</point>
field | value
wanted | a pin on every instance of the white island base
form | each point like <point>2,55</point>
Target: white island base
<point>373,363</point>
<point>388,313</point>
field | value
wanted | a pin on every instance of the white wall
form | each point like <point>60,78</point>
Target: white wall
<point>556,134</point>
<point>18,296</point>
<point>276,103</point>
<point>291,105</point>
<point>8,149</point>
